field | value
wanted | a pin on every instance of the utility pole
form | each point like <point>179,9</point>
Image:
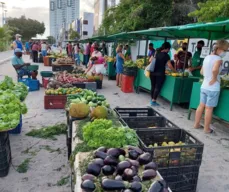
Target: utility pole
<point>2,13</point>
<point>5,17</point>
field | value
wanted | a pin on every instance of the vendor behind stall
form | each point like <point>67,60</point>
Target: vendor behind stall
<point>19,65</point>
<point>197,62</point>
<point>180,61</point>
<point>127,52</point>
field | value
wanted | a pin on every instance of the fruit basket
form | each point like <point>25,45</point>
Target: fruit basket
<point>136,112</point>
<point>46,73</point>
<point>147,122</point>
<point>171,147</point>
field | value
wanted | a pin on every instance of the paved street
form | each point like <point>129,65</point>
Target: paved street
<point>46,168</point>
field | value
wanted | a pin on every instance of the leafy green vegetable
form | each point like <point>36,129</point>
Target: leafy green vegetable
<point>48,132</point>
<point>11,109</point>
<point>102,133</point>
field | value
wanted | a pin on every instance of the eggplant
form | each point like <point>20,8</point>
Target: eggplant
<point>136,186</point>
<point>135,170</point>
<point>122,151</point>
<point>102,149</point>
<point>109,160</point>
<point>108,170</point>
<point>88,177</point>
<point>134,163</point>
<point>93,169</point>
<point>118,178</point>
<point>114,152</point>
<point>151,165</point>
<point>137,149</point>
<point>148,174</point>
<point>88,186</point>
<point>157,186</point>
<point>122,166</point>
<point>112,185</point>
<point>128,174</point>
<point>100,154</point>
<point>137,178</point>
<point>133,154</point>
<point>145,158</point>
<point>99,162</point>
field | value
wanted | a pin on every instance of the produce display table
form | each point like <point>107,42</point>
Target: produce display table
<point>175,89</point>
<point>222,108</point>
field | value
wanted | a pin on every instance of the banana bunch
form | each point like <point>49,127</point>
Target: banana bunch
<point>140,63</point>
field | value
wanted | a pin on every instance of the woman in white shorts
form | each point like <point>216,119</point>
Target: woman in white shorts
<point>210,89</point>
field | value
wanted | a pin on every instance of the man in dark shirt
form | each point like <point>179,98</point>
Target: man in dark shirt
<point>181,63</point>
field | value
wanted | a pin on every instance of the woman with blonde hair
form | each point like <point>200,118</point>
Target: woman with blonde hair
<point>119,64</point>
<point>210,89</point>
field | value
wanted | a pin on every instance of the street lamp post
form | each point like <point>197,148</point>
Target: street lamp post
<point>2,13</point>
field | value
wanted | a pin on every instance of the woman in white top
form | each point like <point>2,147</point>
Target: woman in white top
<point>210,89</point>
<point>44,49</point>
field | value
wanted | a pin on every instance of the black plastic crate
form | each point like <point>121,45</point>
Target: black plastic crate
<point>188,153</point>
<point>67,68</point>
<point>79,85</point>
<point>136,112</point>
<point>147,122</point>
<point>181,179</point>
<point>131,71</point>
<point>3,137</point>
<point>5,158</point>
<point>99,84</point>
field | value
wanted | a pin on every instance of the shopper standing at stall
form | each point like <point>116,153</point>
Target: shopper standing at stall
<point>70,49</point>
<point>44,49</point>
<point>210,89</point>
<point>77,53</point>
<point>180,61</point>
<point>18,43</point>
<point>35,50</point>
<point>120,58</point>
<point>157,77</point>
<point>197,61</point>
<point>87,53</point>
<point>151,50</point>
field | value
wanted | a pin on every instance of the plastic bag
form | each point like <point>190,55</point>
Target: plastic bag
<point>147,73</point>
<point>151,66</point>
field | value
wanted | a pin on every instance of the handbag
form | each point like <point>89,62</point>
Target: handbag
<point>150,67</point>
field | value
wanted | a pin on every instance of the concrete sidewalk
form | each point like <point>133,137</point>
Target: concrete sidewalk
<point>5,56</point>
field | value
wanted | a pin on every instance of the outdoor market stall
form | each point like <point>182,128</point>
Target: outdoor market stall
<point>222,109</point>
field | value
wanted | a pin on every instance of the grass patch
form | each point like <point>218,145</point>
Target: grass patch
<point>63,181</point>
<point>48,132</point>
<point>24,166</point>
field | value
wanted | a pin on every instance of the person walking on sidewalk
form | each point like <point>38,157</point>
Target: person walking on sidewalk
<point>210,89</point>
<point>120,58</point>
<point>17,43</point>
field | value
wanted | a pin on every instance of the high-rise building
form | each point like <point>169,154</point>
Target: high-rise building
<point>100,7</point>
<point>62,14</point>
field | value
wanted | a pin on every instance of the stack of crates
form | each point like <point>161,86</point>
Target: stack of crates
<point>179,162</point>
<point>5,154</point>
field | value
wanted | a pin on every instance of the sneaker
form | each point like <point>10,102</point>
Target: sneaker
<point>154,103</point>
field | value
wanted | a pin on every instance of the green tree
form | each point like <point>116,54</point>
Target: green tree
<point>28,28</point>
<point>51,40</point>
<point>5,37</point>
<point>211,10</point>
<point>132,15</point>
<point>73,35</point>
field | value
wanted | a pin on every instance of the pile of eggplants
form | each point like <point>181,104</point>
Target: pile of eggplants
<point>122,170</point>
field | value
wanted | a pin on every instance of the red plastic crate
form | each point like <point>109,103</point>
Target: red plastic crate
<point>127,84</point>
<point>55,101</point>
<point>45,81</point>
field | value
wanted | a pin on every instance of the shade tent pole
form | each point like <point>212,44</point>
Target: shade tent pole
<point>139,47</point>
<point>146,48</point>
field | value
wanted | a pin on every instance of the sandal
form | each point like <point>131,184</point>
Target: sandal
<point>210,132</point>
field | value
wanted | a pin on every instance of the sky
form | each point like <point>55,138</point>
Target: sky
<point>35,9</point>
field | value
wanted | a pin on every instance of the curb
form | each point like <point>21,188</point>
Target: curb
<point>5,60</point>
